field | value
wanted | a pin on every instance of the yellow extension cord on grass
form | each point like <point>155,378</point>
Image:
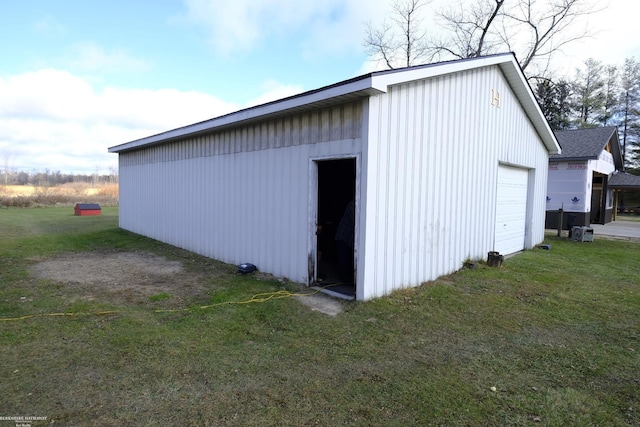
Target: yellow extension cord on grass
<point>261,297</point>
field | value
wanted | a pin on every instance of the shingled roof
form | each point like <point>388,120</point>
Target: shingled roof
<point>624,180</point>
<point>586,144</point>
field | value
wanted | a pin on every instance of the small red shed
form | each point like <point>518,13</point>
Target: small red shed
<point>87,209</point>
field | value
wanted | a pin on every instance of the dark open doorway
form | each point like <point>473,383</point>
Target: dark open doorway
<point>597,200</point>
<point>336,226</point>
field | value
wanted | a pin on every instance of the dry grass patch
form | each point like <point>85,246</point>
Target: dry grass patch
<point>65,194</point>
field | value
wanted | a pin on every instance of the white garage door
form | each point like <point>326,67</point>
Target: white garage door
<point>511,209</point>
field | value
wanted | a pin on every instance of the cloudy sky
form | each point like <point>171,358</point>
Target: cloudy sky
<point>78,76</point>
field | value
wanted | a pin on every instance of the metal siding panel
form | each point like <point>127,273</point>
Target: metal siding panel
<point>269,202</point>
<point>249,206</point>
<point>248,191</point>
<point>433,195</point>
<point>279,133</point>
<point>276,229</point>
<point>270,141</point>
<point>405,184</point>
<point>414,263</point>
<point>325,125</point>
<point>305,130</point>
<point>233,207</point>
<point>371,206</point>
<point>405,190</point>
<point>337,123</point>
<point>350,121</point>
<point>451,214</point>
<point>392,217</point>
<point>426,181</point>
<point>382,192</point>
<point>440,149</point>
<point>287,130</point>
<point>315,129</point>
<point>295,130</point>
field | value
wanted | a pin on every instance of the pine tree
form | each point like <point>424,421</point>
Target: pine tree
<point>554,101</point>
<point>588,100</point>
<point>629,111</point>
<point>609,95</point>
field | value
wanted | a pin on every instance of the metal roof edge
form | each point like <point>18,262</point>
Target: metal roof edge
<point>369,84</point>
<point>381,80</point>
<point>522,90</point>
<point>361,84</point>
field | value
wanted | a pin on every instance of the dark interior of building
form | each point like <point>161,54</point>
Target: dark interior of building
<point>336,190</point>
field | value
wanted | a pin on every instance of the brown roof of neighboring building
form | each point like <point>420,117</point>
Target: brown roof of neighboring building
<point>586,144</point>
<point>624,180</point>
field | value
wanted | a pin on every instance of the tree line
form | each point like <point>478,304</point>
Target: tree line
<point>49,178</point>
<point>597,95</point>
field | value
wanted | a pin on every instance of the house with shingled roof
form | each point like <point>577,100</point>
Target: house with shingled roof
<point>584,178</point>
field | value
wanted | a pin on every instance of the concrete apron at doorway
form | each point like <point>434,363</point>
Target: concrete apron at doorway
<point>322,303</point>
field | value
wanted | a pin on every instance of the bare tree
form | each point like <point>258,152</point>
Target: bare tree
<point>469,31</point>
<point>542,29</point>
<point>403,41</point>
<point>532,29</point>
<point>7,167</point>
<point>113,174</point>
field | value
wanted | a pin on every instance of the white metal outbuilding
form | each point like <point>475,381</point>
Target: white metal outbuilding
<point>444,162</point>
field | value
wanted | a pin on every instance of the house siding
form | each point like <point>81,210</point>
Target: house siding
<point>240,195</point>
<point>432,159</point>
<point>571,190</point>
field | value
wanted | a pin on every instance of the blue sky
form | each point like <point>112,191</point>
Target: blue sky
<point>77,77</point>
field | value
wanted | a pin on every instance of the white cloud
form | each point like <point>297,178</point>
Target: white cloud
<point>52,119</point>
<point>273,91</point>
<point>241,25</point>
<point>49,26</point>
<point>89,56</point>
<point>159,109</point>
<point>613,38</point>
<point>322,28</point>
<point>45,93</point>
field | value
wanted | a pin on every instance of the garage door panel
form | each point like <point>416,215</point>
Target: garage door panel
<point>511,209</point>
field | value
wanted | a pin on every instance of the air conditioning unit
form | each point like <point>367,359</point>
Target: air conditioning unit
<point>582,234</point>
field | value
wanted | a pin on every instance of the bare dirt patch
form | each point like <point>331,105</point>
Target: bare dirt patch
<point>124,275</point>
<point>143,278</point>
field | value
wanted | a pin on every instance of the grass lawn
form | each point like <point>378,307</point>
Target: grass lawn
<point>552,338</point>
